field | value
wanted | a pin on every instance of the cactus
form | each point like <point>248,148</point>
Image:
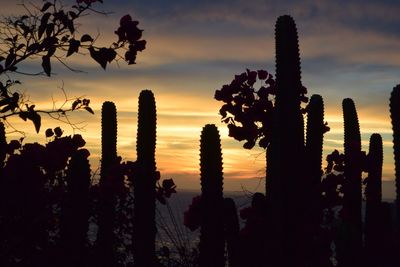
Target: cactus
<point>286,151</point>
<point>231,225</point>
<point>212,233</point>
<point>395,116</point>
<point>144,183</point>
<point>109,182</point>
<point>373,193</point>
<point>75,211</point>
<point>314,140</point>
<point>352,186</point>
<point>3,145</point>
<point>108,138</point>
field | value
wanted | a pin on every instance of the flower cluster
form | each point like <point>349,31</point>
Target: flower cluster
<point>248,111</point>
<point>128,32</point>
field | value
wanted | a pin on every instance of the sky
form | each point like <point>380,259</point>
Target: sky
<point>347,49</point>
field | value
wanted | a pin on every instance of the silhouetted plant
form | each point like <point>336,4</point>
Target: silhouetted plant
<point>212,243</point>
<point>110,185</point>
<point>48,31</point>
<point>3,146</point>
<point>248,111</point>
<point>353,165</point>
<point>75,210</point>
<point>231,226</point>
<point>284,186</point>
<point>144,183</point>
<point>395,118</point>
<point>31,190</point>
<point>373,194</point>
<point>253,235</point>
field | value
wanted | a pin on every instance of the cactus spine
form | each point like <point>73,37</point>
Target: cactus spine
<point>75,216</point>
<point>395,116</point>
<point>286,148</point>
<point>144,228</point>
<point>373,193</point>
<point>211,177</point>
<point>352,187</point>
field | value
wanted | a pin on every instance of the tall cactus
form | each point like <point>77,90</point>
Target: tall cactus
<point>373,193</point>
<point>211,177</point>
<point>352,187</point>
<point>313,150</point>
<point>3,145</point>
<point>144,227</point>
<point>108,138</point>
<point>75,210</point>
<point>395,116</point>
<point>108,183</point>
<point>286,151</point>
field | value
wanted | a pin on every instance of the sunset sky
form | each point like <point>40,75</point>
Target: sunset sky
<point>348,49</point>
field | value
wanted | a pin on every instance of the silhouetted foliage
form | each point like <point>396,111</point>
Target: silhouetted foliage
<point>50,33</point>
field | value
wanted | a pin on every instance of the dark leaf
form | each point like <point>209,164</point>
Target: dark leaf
<point>33,47</point>
<point>86,38</point>
<point>43,24</point>
<point>73,47</point>
<point>49,29</point>
<point>72,14</point>
<point>58,132</point>
<point>46,65</point>
<point>89,109</point>
<point>99,56</point>
<point>37,120</point>
<point>76,103</point>
<point>46,6</point>
<point>10,59</point>
<point>23,115</point>
<point>49,133</point>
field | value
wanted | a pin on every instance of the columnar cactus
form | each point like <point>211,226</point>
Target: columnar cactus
<point>108,138</point>
<point>108,183</point>
<point>231,225</point>
<point>352,187</point>
<point>211,177</point>
<point>75,210</point>
<point>144,183</point>
<point>286,151</point>
<point>395,116</point>
<point>3,145</point>
<point>373,193</point>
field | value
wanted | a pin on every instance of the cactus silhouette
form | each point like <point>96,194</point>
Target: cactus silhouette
<point>144,183</point>
<point>231,225</point>
<point>75,210</point>
<point>373,193</point>
<point>108,138</point>
<point>284,186</point>
<point>352,186</point>
<point>3,146</point>
<point>395,117</point>
<point>212,245</point>
<point>313,150</point>
<point>108,183</point>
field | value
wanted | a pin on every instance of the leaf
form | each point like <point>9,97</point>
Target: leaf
<point>89,109</point>
<point>2,58</point>
<point>75,104</point>
<point>43,24</point>
<point>10,59</point>
<point>73,47</point>
<point>99,56</point>
<point>49,132</point>
<point>49,29</point>
<point>58,132</point>
<point>46,6</point>
<point>37,120</point>
<point>23,115</point>
<point>86,38</point>
<point>46,65</point>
